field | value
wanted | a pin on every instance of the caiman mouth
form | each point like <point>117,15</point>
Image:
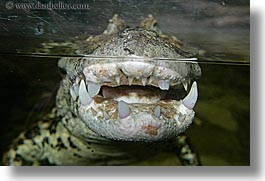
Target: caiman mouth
<point>134,100</point>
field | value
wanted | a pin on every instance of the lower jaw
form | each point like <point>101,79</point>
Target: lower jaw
<point>141,125</point>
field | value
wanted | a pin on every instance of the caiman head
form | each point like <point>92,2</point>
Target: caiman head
<point>132,86</point>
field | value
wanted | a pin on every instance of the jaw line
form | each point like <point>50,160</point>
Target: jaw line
<point>139,126</point>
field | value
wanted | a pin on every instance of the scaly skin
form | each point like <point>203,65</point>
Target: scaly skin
<point>123,116</point>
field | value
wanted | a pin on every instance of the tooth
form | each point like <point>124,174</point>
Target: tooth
<point>190,100</point>
<point>157,111</point>
<point>163,85</point>
<point>144,79</point>
<point>77,80</point>
<point>123,109</point>
<point>85,99</point>
<point>185,85</point>
<point>151,79</point>
<point>93,88</point>
<point>72,92</point>
<point>130,80</point>
<point>118,79</point>
<point>76,88</point>
<point>106,116</point>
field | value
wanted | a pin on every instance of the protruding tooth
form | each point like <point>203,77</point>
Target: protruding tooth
<point>144,79</point>
<point>76,88</point>
<point>85,99</point>
<point>77,79</point>
<point>151,79</point>
<point>190,100</point>
<point>72,93</point>
<point>185,85</point>
<point>163,85</point>
<point>93,88</point>
<point>106,116</point>
<point>157,111</point>
<point>130,80</point>
<point>123,109</point>
<point>118,79</point>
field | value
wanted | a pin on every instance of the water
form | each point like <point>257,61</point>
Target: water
<point>220,133</point>
<point>223,111</point>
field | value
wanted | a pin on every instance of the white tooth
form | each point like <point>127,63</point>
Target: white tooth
<point>76,88</point>
<point>130,80</point>
<point>157,111</point>
<point>190,100</point>
<point>77,80</point>
<point>151,79</point>
<point>118,79</point>
<point>144,79</point>
<point>72,92</point>
<point>85,99</point>
<point>163,85</point>
<point>123,109</point>
<point>106,116</point>
<point>93,88</point>
<point>185,85</point>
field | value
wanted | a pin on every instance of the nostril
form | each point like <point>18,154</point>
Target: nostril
<point>128,50</point>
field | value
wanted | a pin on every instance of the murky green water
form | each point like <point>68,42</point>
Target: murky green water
<point>221,129</point>
<point>220,133</point>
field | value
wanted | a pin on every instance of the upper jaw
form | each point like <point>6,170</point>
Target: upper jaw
<point>161,74</point>
<point>129,73</point>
